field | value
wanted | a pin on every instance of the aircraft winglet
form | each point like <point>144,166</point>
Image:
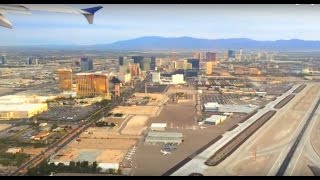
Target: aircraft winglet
<point>90,13</point>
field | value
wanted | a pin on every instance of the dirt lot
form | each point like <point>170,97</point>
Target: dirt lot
<point>4,126</point>
<point>111,156</point>
<point>159,98</point>
<point>137,110</point>
<point>181,119</point>
<point>100,150</point>
<point>135,126</point>
<point>32,151</point>
<point>264,78</point>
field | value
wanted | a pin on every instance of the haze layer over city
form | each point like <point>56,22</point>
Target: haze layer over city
<point>159,90</point>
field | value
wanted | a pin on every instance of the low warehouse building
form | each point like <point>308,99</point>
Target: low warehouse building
<point>20,111</point>
<point>158,126</point>
<point>164,137</point>
<point>227,108</point>
<point>215,119</point>
<point>211,107</point>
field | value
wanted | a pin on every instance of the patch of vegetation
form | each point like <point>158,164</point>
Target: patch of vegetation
<point>7,159</point>
<point>74,167</point>
<point>118,114</point>
<point>104,124</point>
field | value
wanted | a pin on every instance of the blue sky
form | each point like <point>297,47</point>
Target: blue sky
<point>121,22</point>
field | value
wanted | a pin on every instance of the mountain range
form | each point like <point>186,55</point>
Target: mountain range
<point>189,43</point>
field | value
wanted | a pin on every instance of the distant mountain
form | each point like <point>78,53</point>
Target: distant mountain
<point>189,43</point>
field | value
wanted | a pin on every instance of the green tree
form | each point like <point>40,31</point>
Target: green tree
<point>72,166</point>
<point>94,166</point>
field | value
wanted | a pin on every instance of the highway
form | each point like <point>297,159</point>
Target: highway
<point>288,157</point>
<point>54,148</point>
<point>197,164</point>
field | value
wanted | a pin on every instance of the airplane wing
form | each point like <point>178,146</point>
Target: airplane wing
<point>88,13</point>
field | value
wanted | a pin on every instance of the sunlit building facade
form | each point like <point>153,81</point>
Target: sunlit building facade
<point>92,84</point>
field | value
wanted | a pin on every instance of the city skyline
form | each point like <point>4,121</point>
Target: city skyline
<point>121,22</point>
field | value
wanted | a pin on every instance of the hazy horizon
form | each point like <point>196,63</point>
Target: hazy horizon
<point>116,22</point>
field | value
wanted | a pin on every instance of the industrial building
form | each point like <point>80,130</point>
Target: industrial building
<point>92,84</point>
<point>211,107</point>
<point>65,79</point>
<point>227,108</point>
<point>164,137</point>
<point>158,126</point>
<point>215,119</point>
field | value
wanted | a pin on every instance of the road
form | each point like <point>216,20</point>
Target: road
<point>287,160</point>
<point>306,152</point>
<point>264,151</point>
<point>196,165</point>
<point>54,148</point>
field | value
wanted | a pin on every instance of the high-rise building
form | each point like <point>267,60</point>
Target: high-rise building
<point>209,68</point>
<point>65,79</point>
<point>174,56</point>
<point>156,77</point>
<point>121,60</point>
<point>195,63</point>
<point>3,59</point>
<point>86,64</point>
<point>197,55</point>
<point>188,66</point>
<point>240,54</point>
<point>134,69</point>
<point>210,56</point>
<point>231,54</point>
<point>92,84</point>
<point>180,64</point>
<point>29,61</point>
<point>123,69</point>
<point>138,60</point>
<point>153,63</point>
<point>146,64</point>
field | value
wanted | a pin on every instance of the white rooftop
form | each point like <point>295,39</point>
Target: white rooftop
<point>215,118</point>
<point>161,125</point>
<point>19,107</point>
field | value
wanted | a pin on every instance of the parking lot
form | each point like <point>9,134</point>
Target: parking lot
<point>67,113</point>
<point>221,99</point>
<point>154,89</point>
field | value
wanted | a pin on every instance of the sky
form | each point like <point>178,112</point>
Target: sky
<point>116,22</point>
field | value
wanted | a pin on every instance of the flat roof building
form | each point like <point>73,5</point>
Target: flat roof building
<point>21,111</point>
<point>164,137</point>
<point>215,119</point>
<point>158,126</point>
